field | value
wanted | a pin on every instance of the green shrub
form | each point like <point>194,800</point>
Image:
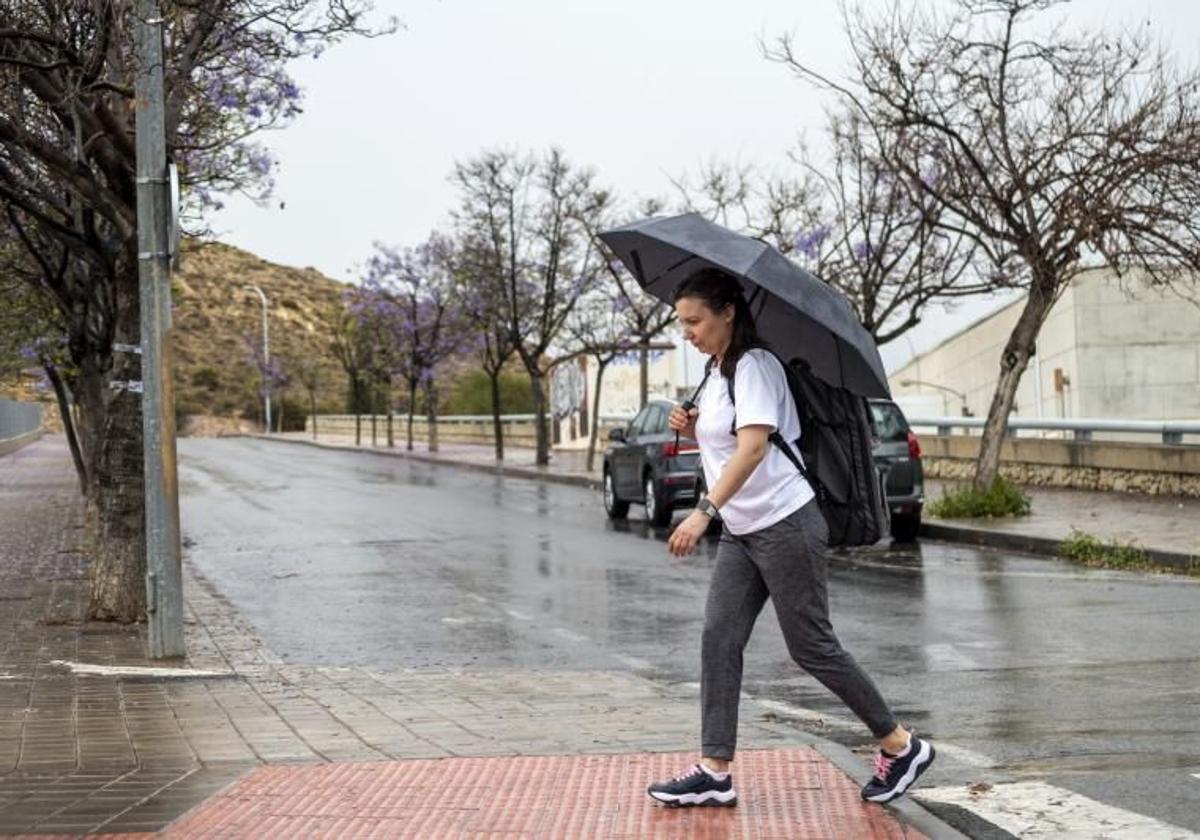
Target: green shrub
<point>472,394</point>
<point>1082,547</point>
<point>1003,498</point>
<point>206,378</point>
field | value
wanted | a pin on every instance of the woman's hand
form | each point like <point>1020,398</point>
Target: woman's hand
<point>682,421</point>
<point>684,538</point>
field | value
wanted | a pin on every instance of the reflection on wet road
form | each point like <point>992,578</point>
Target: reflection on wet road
<point>1024,667</point>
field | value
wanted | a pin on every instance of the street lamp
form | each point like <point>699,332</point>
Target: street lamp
<point>266,356</point>
<point>966,412</point>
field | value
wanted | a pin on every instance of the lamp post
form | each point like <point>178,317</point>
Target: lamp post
<point>961,396</point>
<point>266,356</point>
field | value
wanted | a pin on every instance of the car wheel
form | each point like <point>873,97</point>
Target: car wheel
<point>657,511</point>
<point>905,526</point>
<point>614,507</point>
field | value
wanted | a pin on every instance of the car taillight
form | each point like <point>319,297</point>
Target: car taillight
<point>914,446</point>
<point>670,449</point>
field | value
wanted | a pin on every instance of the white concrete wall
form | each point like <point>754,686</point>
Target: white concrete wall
<point>1129,352</point>
<point>1142,351</point>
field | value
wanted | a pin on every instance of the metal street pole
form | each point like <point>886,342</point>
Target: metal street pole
<point>266,357</point>
<point>164,578</point>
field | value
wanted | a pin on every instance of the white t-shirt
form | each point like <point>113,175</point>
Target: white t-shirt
<point>775,489</point>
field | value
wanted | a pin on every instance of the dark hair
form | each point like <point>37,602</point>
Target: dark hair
<point>718,289</point>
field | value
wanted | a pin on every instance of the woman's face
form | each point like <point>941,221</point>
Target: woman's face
<point>708,331</point>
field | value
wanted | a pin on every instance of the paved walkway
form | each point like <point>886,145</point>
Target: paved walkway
<point>1164,525</point>
<point>237,743</point>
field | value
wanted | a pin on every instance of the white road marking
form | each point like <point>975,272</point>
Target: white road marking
<point>1196,775</point>
<point>567,634</point>
<point>478,598</point>
<point>1036,809</point>
<point>83,669</point>
<point>948,657</point>
<point>634,662</point>
<point>518,615</point>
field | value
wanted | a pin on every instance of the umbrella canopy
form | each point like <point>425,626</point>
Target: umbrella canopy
<point>800,316</point>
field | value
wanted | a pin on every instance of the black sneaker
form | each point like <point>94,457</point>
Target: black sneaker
<point>896,774</point>
<point>695,786</point>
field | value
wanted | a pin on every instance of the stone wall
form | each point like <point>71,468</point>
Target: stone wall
<point>1154,469</point>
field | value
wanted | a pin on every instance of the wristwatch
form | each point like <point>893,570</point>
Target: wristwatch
<point>706,507</point>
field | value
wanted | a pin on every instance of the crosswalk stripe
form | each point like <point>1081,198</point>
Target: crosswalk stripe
<point>1036,809</point>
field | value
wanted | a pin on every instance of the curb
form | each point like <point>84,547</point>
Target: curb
<point>906,808</point>
<point>1046,546</point>
<point>13,444</point>
<point>494,469</point>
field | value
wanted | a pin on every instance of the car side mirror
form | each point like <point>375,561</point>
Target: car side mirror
<point>616,435</point>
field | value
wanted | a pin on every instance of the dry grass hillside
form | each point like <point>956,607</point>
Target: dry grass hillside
<point>215,316</point>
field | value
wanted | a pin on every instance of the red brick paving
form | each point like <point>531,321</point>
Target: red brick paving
<point>788,794</point>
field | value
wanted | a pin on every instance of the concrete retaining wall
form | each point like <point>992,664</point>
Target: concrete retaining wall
<point>1155,469</point>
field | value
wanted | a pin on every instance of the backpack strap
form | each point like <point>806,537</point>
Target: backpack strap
<point>775,437</point>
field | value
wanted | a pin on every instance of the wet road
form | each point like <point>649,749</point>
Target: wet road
<point>1021,668</point>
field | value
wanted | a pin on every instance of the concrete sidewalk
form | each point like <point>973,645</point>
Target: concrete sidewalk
<point>236,743</point>
<point>1165,526</point>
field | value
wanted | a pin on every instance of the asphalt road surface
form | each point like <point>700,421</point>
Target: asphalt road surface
<point>1020,668</point>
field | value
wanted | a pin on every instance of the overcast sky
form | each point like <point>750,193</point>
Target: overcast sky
<point>640,90</point>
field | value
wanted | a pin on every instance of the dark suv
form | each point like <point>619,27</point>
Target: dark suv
<point>899,452</point>
<point>643,464</point>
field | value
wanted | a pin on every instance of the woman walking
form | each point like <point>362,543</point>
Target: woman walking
<point>773,544</point>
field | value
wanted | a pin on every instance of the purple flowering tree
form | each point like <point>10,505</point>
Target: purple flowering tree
<point>68,194</point>
<point>272,374</point>
<point>354,346</point>
<point>528,213</point>
<point>31,334</point>
<point>413,310</point>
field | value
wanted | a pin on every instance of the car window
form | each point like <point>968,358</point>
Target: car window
<point>635,424</point>
<point>657,422</point>
<point>890,424</point>
<point>648,418</point>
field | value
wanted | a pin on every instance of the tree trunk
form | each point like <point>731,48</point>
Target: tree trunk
<point>412,407</point>
<point>64,409</point>
<point>118,570</point>
<point>1017,352</point>
<point>497,426</point>
<point>583,405</point>
<point>391,427</point>
<point>538,383</point>
<point>312,401</point>
<point>591,459</point>
<point>432,415</point>
<point>644,384</point>
<point>356,395</point>
<point>374,431</point>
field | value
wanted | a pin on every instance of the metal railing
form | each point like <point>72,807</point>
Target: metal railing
<point>18,418</point>
<point>1171,431</point>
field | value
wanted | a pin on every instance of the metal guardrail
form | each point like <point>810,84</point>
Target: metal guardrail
<point>1172,431</point>
<point>18,418</point>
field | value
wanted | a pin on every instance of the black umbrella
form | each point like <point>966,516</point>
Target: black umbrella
<point>800,316</point>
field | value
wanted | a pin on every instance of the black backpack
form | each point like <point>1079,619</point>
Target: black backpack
<point>837,430</point>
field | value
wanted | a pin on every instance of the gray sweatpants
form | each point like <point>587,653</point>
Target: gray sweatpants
<point>786,562</point>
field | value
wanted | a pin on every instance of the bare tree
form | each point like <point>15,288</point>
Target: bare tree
<point>852,222</point>
<point>311,374</point>
<point>642,317</point>
<point>1054,152</point>
<point>478,278</point>
<point>527,212</point>
<point>351,345</point>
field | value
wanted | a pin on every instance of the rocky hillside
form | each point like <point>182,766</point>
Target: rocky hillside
<point>216,317</point>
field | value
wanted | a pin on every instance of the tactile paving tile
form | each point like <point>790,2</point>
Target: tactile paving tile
<point>790,794</point>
